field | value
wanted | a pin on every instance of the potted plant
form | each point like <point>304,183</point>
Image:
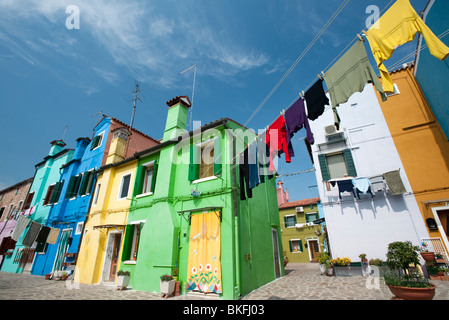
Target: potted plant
<point>342,266</point>
<point>425,253</point>
<point>364,263</point>
<point>167,285</point>
<point>402,282</point>
<point>323,259</point>
<point>123,278</point>
<point>285,259</point>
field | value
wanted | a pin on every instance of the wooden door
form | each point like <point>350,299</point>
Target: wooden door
<point>314,249</point>
<point>277,261</point>
<point>115,255</point>
<point>444,219</point>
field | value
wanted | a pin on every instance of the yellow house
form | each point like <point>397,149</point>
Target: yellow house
<point>424,152</point>
<point>100,250</point>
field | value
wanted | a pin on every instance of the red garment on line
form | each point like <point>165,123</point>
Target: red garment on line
<point>280,140</point>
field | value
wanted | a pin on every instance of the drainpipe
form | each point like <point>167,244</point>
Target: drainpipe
<point>235,220</point>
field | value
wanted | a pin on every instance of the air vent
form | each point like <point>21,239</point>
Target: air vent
<point>299,209</point>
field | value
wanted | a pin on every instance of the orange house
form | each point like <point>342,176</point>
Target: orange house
<point>424,152</point>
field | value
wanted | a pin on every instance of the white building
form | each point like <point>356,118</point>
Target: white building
<point>366,225</point>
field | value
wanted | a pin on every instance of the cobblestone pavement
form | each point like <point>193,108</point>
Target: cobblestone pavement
<point>301,282</point>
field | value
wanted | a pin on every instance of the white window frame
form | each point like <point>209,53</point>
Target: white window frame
<point>395,91</point>
<point>291,215</point>
<point>101,134</point>
<point>340,152</point>
<point>119,196</point>
<point>147,166</point>
<point>202,145</point>
<point>96,193</point>
<point>310,213</point>
<point>291,241</point>
<point>79,228</point>
<point>139,223</point>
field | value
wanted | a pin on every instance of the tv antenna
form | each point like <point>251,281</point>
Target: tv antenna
<point>65,130</point>
<point>136,97</point>
<point>194,67</point>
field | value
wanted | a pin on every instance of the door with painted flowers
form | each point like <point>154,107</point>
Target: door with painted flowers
<point>204,266</point>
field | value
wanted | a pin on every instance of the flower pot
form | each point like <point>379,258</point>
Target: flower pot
<point>428,256</point>
<point>406,293</point>
<point>330,271</point>
<point>342,271</point>
<point>122,281</point>
<point>167,287</point>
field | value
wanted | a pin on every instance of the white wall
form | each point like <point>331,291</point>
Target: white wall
<point>368,225</point>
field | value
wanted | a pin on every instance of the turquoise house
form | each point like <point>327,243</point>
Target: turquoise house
<point>41,193</point>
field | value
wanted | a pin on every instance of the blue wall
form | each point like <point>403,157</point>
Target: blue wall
<point>432,74</point>
<point>67,213</point>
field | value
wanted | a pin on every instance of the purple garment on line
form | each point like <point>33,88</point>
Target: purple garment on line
<point>295,119</point>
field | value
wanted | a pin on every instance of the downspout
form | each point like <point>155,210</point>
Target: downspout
<point>235,220</point>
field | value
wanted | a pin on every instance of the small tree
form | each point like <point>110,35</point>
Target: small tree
<point>401,254</point>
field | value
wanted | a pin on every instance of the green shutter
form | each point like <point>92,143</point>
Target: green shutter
<point>291,247</point>
<point>194,166</point>
<point>55,193</point>
<point>217,157</point>
<point>300,245</point>
<point>69,191</point>
<point>324,168</point>
<point>84,181</point>
<point>94,142</point>
<point>153,178</point>
<point>352,172</point>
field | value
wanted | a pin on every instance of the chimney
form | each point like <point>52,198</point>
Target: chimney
<point>81,145</point>
<point>118,145</point>
<point>282,196</point>
<point>56,147</point>
<point>177,116</point>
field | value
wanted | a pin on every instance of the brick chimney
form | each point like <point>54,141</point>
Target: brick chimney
<point>118,145</point>
<point>281,194</point>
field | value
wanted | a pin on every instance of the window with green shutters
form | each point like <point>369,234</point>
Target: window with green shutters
<point>86,183</point>
<point>290,221</point>
<point>295,245</point>
<point>56,192</point>
<point>337,165</point>
<point>96,142</point>
<point>205,160</point>
<point>311,216</point>
<point>73,186</point>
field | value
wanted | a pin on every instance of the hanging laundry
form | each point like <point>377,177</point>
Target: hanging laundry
<point>263,154</point>
<point>253,165</point>
<point>350,74</point>
<point>31,234</point>
<point>345,186</point>
<point>396,27</point>
<point>377,183</point>
<point>7,243</point>
<point>53,236</point>
<point>43,234</point>
<point>394,182</point>
<point>295,119</point>
<point>276,139</point>
<point>316,100</point>
<point>244,176</point>
<point>21,224</point>
<point>362,185</point>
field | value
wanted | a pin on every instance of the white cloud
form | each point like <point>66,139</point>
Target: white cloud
<point>150,42</point>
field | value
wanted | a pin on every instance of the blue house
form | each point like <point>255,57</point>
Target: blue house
<point>69,212</point>
<point>41,195</point>
<point>430,72</point>
<point>75,190</point>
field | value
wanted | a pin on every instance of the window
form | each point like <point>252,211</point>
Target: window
<point>311,216</point>
<point>79,228</point>
<point>205,160</point>
<point>290,221</point>
<point>96,142</point>
<point>295,245</point>
<point>395,91</point>
<point>86,183</point>
<point>337,165</point>
<point>149,176</point>
<point>48,195</point>
<point>1,211</point>
<point>124,186</point>
<point>74,184</point>
<point>136,237</point>
<point>97,192</point>
<point>28,200</point>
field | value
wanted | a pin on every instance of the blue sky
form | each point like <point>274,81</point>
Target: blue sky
<point>52,77</point>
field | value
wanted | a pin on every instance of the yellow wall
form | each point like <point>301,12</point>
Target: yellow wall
<point>420,141</point>
<point>108,211</point>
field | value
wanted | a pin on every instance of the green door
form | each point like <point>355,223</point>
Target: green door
<point>62,248</point>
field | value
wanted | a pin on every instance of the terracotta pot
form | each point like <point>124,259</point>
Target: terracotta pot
<point>428,256</point>
<point>406,293</point>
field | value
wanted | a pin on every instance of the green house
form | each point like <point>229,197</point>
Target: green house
<point>186,204</point>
